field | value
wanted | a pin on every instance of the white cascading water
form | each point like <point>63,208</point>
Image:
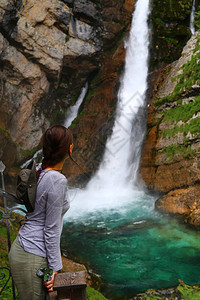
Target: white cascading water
<point>116,178</point>
<point>118,168</point>
<point>73,110</point>
<point>70,116</point>
<point>192,16</point>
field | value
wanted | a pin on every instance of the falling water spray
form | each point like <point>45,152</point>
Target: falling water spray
<point>120,163</point>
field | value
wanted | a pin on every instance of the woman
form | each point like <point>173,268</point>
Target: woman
<point>38,241</point>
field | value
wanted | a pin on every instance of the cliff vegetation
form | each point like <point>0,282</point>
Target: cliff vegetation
<point>170,160</point>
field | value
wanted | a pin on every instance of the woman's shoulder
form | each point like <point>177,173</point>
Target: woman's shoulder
<point>52,176</point>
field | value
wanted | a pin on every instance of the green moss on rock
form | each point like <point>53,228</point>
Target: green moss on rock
<point>170,19</point>
<point>183,112</point>
<point>189,77</point>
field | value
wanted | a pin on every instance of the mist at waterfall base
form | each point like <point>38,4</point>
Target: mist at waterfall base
<point>112,225</point>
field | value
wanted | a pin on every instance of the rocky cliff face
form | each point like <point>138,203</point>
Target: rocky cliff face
<point>47,53</point>
<point>170,31</point>
<point>170,161</point>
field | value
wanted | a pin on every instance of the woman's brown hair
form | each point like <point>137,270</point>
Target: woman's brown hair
<point>56,143</point>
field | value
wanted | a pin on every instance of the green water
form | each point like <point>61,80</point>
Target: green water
<point>132,247</point>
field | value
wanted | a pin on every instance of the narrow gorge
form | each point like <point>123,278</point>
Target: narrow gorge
<point>124,76</point>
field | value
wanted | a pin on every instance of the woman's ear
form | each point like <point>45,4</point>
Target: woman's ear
<point>71,148</point>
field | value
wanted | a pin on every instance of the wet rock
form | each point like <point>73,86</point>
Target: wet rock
<point>180,201</point>
<point>194,218</point>
<point>86,9</point>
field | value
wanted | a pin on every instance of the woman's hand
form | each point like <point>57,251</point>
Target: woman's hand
<point>49,284</point>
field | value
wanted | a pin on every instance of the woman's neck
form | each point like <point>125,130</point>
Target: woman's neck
<point>57,167</point>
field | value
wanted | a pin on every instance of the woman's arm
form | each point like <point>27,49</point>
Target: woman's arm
<point>53,222</point>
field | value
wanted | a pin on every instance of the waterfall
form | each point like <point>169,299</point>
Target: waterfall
<point>192,28</point>
<point>70,116</point>
<point>37,157</point>
<point>115,186</point>
<point>73,110</point>
<point>112,225</point>
<point>120,163</point>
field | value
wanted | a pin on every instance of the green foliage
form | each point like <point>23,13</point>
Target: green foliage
<point>7,293</point>
<point>183,151</point>
<point>158,21</point>
<point>193,127</point>
<point>190,75</point>
<point>66,38</point>
<point>57,116</point>
<point>165,99</point>
<point>3,233</point>
<point>76,119</point>
<point>28,153</point>
<point>183,113</point>
<point>75,95</point>
<point>197,20</point>
<point>91,92</point>
<point>60,92</point>
<point>152,295</point>
<point>189,292</point>
<point>171,40</point>
<point>92,294</point>
<point>114,47</point>
<point>5,133</point>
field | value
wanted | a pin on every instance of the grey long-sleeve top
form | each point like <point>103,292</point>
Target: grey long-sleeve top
<point>41,231</point>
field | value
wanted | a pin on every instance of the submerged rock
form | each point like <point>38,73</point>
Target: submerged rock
<point>130,226</point>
